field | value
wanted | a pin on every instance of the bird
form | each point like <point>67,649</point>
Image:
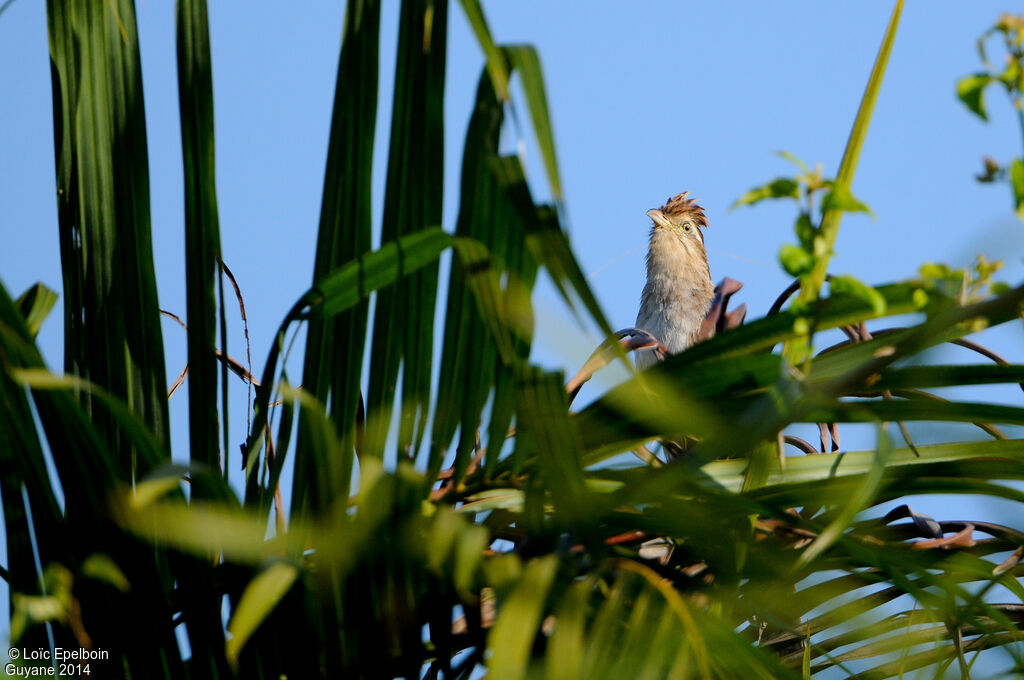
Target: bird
<point>678,293</point>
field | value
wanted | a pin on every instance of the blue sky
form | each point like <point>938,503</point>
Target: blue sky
<point>647,99</point>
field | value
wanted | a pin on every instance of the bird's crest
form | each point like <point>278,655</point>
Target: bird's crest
<point>679,206</point>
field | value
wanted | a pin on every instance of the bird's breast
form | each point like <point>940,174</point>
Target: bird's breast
<point>674,318</point>
<point>678,292</point>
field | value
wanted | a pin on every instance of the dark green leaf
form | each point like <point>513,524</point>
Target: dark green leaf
<point>202,230</point>
<point>202,265</point>
<point>526,62</point>
<point>971,91</point>
<point>466,366</point>
<point>943,376</point>
<point>674,399</point>
<point>482,280</point>
<point>88,473</point>
<point>898,410</point>
<point>111,314</point>
<point>498,212</point>
<point>550,245</point>
<point>113,335</point>
<point>335,343</point>
<point>344,288</point>
<point>354,281</point>
<point>403,332</point>
<point>545,430</point>
<point>25,475</point>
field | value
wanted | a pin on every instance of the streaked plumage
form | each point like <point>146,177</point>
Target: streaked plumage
<point>678,292</point>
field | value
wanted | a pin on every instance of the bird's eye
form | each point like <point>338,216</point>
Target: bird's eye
<point>686,226</point>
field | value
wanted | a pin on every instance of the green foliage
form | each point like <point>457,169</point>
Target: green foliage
<point>848,285</point>
<point>971,90</point>
<point>795,260</point>
<point>812,250</point>
<point>35,305</point>
<point>783,187</point>
<point>335,344</point>
<point>536,557</point>
<point>1017,182</point>
<point>840,199</point>
<point>969,284</point>
<point>261,595</point>
<point>847,167</point>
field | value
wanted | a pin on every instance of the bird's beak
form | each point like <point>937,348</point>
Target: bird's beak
<point>658,217</point>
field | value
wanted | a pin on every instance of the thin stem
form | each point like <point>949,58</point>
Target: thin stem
<point>1020,116</point>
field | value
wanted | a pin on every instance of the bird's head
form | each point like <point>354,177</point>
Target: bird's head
<point>682,216</point>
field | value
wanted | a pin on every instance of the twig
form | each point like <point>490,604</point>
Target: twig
<point>248,348</point>
<point>644,454</point>
<point>233,364</point>
<point>801,444</point>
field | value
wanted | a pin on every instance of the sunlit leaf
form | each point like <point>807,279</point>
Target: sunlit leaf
<point>470,544</point>
<point>840,198</point>
<point>519,619</point>
<point>814,470</point>
<point>848,285</point>
<point>258,599</point>
<point>783,187</point>
<point>794,160</point>
<point>567,649</point>
<point>35,305</point>
<point>100,567</point>
<point>851,155</point>
<point>526,61</point>
<point>1017,182</point>
<point>497,67</point>
<point>795,260</point>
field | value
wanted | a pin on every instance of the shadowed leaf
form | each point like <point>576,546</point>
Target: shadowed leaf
<point>971,91</point>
